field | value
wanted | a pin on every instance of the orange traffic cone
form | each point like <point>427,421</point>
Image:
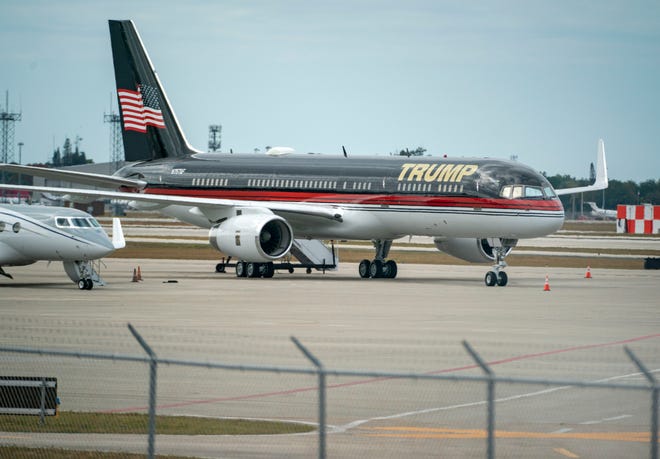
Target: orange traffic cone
<point>588,274</point>
<point>135,278</point>
<point>139,274</point>
<point>546,286</point>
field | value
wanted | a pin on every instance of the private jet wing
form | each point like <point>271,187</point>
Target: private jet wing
<point>213,209</point>
<point>601,181</point>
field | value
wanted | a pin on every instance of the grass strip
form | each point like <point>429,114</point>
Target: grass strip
<point>136,423</point>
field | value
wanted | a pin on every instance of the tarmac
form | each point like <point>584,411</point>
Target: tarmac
<point>414,323</point>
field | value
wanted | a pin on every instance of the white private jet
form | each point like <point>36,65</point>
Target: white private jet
<point>597,212</point>
<point>30,233</point>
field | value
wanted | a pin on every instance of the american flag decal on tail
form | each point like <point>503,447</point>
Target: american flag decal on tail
<point>140,108</point>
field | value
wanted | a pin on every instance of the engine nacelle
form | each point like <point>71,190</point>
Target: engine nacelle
<point>473,250</point>
<point>252,237</point>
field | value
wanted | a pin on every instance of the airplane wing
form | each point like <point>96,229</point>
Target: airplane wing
<point>84,178</point>
<point>601,181</point>
<point>213,209</point>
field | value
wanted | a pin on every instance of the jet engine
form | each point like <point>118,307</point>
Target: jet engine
<point>252,237</point>
<point>474,250</point>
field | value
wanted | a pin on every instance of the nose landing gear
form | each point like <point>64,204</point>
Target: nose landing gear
<point>497,276</point>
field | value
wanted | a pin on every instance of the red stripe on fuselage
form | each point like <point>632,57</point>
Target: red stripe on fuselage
<point>320,197</point>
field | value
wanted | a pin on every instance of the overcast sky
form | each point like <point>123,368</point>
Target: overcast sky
<point>543,80</point>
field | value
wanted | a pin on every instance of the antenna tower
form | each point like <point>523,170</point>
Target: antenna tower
<point>116,142</point>
<point>7,121</point>
<point>215,137</point>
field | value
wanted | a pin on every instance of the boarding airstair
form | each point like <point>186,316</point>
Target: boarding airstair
<point>314,254</point>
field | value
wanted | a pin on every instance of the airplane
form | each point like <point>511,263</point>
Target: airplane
<point>30,233</point>
<point>259,208</point>
<point>601,213</point>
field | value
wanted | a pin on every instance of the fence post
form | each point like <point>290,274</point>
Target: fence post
<point>153,365</point>
<point>42,403</point>
<point>490,451</point>
<point>655,390</point>
<point>321,372</point>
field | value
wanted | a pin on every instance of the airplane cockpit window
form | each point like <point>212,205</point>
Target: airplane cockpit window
<point>533,192</point>
<point>80,222</point>
<point>62,222</point>
<point>527,192</point>
<point>93,222</point>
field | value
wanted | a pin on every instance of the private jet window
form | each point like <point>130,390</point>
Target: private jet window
<point>80,222</point>
<point>517,192</point>
<point>533,192</point>
<point>549,192</point>
<point>62,222</point>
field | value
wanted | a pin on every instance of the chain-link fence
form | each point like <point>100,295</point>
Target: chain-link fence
<point>470,409</point>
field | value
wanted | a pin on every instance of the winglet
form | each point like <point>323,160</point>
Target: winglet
<point>601,181</point>
<point>118,241</point>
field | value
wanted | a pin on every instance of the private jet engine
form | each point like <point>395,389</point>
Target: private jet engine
<point>475,250</point>
<point>253,237</point>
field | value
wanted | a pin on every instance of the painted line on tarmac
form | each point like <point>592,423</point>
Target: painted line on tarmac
<point>354,424</point>
<point>374,380</point>
<point>458,434</point>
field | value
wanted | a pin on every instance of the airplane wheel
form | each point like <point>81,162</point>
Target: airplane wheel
<point>363,269</point>
<point>269,270</point>
<point>376,269</point>
<point>502,279</point>
<point>309,270</point>
<point>290,270</point>
<point>89,284</point>
<point>240,269</point>
<point>82,285</point>
<point>220,268</point>
<point>252,270</point>
<point>390,269</point>
<point>491,278</point>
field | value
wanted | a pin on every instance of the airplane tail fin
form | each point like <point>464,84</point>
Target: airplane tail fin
<point>150,129</point>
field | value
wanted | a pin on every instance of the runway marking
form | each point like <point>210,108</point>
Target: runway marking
<point>374,380</point>
<point>565,452</point>
<point>459,434</point>
<point>600,421</point>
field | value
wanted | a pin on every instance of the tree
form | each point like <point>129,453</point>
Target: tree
<point>419,151</point>
<point>69,156</point>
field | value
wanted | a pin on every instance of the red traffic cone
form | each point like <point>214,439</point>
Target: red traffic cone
<point>546,286</point>
<point>139,274</point>
<point>135,278</point>
<point>588,273</point>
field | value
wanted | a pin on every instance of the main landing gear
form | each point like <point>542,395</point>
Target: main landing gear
<point>497,276</point>
<point>245,269</point>
<point>379,268</point>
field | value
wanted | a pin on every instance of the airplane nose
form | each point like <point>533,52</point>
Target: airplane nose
<point>102,246</point>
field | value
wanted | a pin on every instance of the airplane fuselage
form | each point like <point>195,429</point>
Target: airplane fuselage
<point>380,197</point>
<point>32,233</point>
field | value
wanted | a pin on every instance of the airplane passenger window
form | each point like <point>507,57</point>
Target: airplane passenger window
<point>517,192</point>
<point>506,192</point>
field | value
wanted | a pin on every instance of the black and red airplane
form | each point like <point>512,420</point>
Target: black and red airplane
<point>258,206</point>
